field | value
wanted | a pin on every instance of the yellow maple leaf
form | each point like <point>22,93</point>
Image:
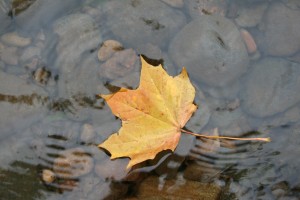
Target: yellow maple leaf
<point>152,115</point>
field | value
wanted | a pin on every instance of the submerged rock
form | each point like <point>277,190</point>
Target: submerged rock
<point>281,29</point>
<point>212,50</point>
<point>14,39</point>
<point>272,86</point>
<point>138,22</point>
<point>157,188</point>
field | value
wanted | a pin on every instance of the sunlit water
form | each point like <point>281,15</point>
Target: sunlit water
<point>53,120</point>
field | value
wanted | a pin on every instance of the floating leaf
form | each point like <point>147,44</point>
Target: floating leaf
<point>152,115</point>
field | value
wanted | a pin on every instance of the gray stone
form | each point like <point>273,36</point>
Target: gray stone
<point>136,23</point>
<point>281,30</point>
<point>211,49</point>
<point>272,86</point>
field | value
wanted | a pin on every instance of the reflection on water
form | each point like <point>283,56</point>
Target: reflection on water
<point>56,56</point>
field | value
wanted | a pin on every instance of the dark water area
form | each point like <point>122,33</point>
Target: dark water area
<point>243,57</point>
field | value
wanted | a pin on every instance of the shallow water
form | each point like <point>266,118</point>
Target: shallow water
<point>243,59</point>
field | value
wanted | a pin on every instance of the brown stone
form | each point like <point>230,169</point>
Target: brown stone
<point>15,39</point>
<point>153,188</point>
<point>108,48</point>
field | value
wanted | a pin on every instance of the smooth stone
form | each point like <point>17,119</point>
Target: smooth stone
<point>281,29</point>
<point>87,134</point>
<point>156,188</point>
<point>14,39</point>
<point>249,41</point>
<point>272,86</point>
<point>135,23</point>
<point>250,16</point>
<point>48,176</point>
<point>212,50</point>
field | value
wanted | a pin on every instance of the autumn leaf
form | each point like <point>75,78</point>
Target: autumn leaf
<point>152,115</point>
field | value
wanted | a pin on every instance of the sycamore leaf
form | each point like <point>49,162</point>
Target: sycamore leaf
<point>152,115</point>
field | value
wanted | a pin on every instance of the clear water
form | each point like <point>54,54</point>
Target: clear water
<point>55,110</point>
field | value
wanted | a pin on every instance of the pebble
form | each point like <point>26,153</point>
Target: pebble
<point>271,87</point>
<point>41,75</point>
<point>108,48</point>
<point>14,39</point>
<point>73,163</point>
<point>249,41</point>
<point>87,134</point>
<point>48,176</point>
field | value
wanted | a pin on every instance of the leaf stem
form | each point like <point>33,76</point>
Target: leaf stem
<point>224,137</point>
